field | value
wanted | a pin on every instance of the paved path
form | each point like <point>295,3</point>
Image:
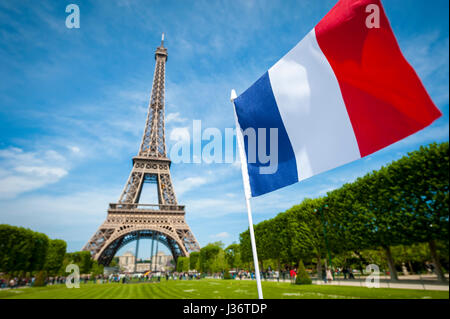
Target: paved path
<point>404,284</point>
<point>424,282</point>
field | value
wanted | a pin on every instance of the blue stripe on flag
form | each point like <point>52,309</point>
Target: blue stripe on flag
<point>257,108</point>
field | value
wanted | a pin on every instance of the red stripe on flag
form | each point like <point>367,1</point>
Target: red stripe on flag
<point>385,99</point>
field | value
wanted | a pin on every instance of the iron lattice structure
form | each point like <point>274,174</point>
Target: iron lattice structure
<point>128,220</point>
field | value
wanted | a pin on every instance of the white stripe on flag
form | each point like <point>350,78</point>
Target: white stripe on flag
<point>312,109</point>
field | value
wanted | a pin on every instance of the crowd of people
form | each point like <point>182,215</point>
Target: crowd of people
<point>267,274</point>
<point>290,274</point>
<point>16,282</point>
<point>149,276</point>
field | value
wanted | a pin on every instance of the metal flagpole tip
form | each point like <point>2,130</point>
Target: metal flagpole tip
<point>233,95</point>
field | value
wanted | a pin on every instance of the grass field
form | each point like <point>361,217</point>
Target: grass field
<point>212,289</point>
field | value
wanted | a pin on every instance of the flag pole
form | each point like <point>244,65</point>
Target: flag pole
<point>255,256</point>
<point>247,200</point>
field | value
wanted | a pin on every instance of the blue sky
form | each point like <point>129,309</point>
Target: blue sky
<point>73,102</point>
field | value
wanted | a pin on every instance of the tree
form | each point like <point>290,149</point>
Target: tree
<point>194,259</point>
<point>245,247</point>
<point>423,179</point>
<point>81,258</point>
<point>232,256</point>
<point>403,203</point>
<point>97,269</point>
<point>15,252</point>
<point>114,262</point>
<point>182,264</point>
<point>208,256</point>
<point>263,238</point>
<point>302,276</point>
<point>22,249</point>
<point>219,264</point>
<point>304,230</point>
<point>367,215</point>
<point>39,251</point>
<point>55,256</point>
<point>382,206</point>
<point>40,279</point>
<point>416,254</point>
<point>273,241</point>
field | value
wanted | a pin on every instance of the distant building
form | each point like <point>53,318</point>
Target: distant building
<point>161,262</point>
<point>126,262</point>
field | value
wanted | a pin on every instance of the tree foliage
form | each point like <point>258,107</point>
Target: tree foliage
<point>302,276</point>
<point>208,257</point>
<point>194,260</point>
<point>55,256</point>
<point>404,203</point>
<point>81,258</point>
<point>22,249</point>
<point>183,264</point>
<point>233,256</point>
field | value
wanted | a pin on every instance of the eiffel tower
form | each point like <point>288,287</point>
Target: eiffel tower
<point>128,220</point>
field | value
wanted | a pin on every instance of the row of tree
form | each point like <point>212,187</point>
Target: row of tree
<point>25,251</point>
<point>212,258</point>
<point>402,204</point>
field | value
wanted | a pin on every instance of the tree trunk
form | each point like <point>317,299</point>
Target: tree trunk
<point>390,260</point>
<point>319,268</point>
<point>436,262</point>
<point>411,270</point>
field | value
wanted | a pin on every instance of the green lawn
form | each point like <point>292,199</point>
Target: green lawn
<point>211,289</point>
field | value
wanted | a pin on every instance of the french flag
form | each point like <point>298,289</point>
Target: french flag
<point>345,91</point>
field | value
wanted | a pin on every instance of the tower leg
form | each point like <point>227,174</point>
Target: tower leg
<point>151,252</point>
<point>137,252</point>
<point>156,261</point>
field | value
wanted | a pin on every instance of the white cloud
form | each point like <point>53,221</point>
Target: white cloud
<point>230,195</point>
<point>11,186</point>
<point>220,235</point>
<point>42,171</point>
<point>237,163</point>
<point>189,183</point>
<point>324,191</point>
<point>427,135</point>
<point>75,149</point>
<point>72,217</point>
<point>134,96</point>
<point>25,171</point>
<point>428,54</point>
<point>214,207</point>
<point>174,118</point>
